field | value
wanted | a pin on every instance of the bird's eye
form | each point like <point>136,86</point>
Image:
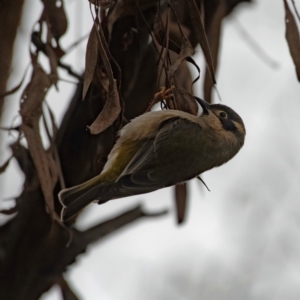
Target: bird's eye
<point>223,114</point>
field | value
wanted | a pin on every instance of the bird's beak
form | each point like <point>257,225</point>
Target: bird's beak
<point>205,106</point>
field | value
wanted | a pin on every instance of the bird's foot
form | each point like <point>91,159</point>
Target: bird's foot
<point>163,94</point>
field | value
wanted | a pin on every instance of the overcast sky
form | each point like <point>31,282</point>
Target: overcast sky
<point>242,239</point>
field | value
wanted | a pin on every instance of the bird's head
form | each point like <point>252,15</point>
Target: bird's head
<point>226,117</point>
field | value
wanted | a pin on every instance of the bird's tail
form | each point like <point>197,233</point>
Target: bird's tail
<point>76,198</point>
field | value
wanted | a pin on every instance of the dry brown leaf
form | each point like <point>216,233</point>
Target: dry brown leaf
<point>53,61</point>
<point>201,35</point>
<point>213,36</point>
<point>91,58</point>
<point>53,122</point>
<point>112,106</point>
<point>109,113</point>
<point>159,30</point>
<point>31,110</point>
<point>185,51</point>
<point>105,55</point>
<point>159,33</point>
<point>56,15</point>
<point>53,156</point>
<point>33,96</point>
<point>292,37</point>
<point>182,98</point>
<point>50,151</point>
<point>181,201</point>
<point>185,100</point>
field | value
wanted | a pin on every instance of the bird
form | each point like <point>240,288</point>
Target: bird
<point>160,149</point>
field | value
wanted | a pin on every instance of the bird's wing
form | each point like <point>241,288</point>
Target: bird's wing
<point>172,155</point>
<point>144,158</point>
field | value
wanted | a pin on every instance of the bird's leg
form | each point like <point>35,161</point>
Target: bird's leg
<point>161,95</point>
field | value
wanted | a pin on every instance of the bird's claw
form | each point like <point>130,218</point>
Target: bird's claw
<point>164,93</point>
<point>161,95</point>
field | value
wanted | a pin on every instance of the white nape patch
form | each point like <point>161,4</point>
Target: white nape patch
<point>145,125</point>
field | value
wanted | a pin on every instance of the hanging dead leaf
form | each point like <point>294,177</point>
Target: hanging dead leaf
<point>292,37</point>
<point>33,96</point>
<point>158,29</point>
<point>181,201</point>
<point>185,51</point>
<point>185,100</point>
<point>53,61</point>
<point>53,157</point>
<point>112,106</point>
<point>91,58</point>
<point>31,110</point>
<point>105,55</point>
<point>201,35</point>
<point>55,11</point>
<point>213,36</point>
<point>159,33</point>
<point>109,113</point>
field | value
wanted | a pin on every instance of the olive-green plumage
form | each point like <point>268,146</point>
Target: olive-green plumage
<point>160,149</point>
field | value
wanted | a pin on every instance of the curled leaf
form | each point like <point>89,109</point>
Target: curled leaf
<point>109,113</point>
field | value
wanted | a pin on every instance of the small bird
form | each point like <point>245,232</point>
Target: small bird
<point>160,149</point>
